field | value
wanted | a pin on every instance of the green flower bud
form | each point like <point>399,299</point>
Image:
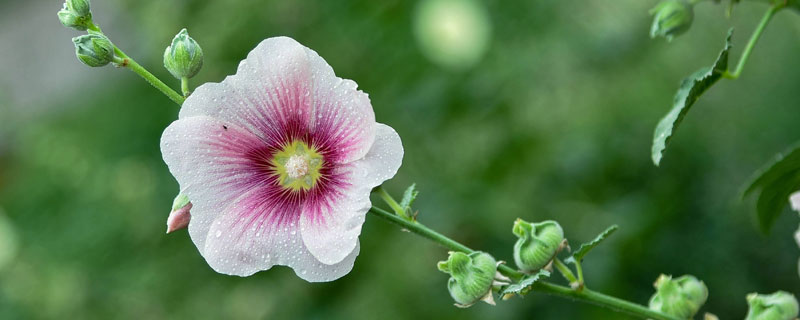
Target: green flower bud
<point>681,297</point>
<point>471,277</point>
<point>538,243</point>
<point>671,18</point>
<point>75,14</point>
<point>94,49</point>
<point>183,58</point>
<point>777,306</point>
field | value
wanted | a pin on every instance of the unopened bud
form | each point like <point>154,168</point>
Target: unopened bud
<point>183,58</point>
<point>94,49</point>
<point>777,306</point>
<point>681,297</point>
<point>671,18</point>
<point>471,277</point>
<point>180,216</point>
<point>75,14</point>
<point>538,243</point>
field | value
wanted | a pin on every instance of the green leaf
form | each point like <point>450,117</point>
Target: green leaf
<point>777,180</point>
<point>690,90</point>
<point>588,246</point>
<point>524,285</point>
<point>409,196</point>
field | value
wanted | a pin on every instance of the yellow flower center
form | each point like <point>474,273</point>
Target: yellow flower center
<point>297,166</point>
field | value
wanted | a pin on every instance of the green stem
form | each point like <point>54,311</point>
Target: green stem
<point>123,60</point>
<point>579,269</point>
<point>131,64</point>
<point>185,87</point>
<point>753,40</point>
<point>564,270</point>
<point>391,202</point>
<point>585,295</point>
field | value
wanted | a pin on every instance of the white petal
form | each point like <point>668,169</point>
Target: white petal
<point>794,199</point>
<point>207,158</point>
<point>332,231</point>
<point>241,243</point>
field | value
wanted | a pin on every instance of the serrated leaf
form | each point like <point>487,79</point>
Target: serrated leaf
<point>524,285</point>
<point>409,196</point>
<point>777,180</point>
<point>588,246</point>
<point>690,90</point>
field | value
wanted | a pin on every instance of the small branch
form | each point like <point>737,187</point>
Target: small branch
<point>584,295</point>
<point>564,270</point>
<point>753,40</point>
<point>149,77</point>
<point>398,209</point>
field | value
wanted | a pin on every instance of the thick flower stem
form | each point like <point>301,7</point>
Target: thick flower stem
<point>753,40</point>
<point>584,295</point>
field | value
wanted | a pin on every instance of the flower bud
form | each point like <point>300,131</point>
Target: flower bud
<point>183,58</point>
<point>94,49</point>
<point>671,18</point>
<point>471,277</point>
<point>777,306</point>
<point>681,297</point>
<point>538,243</point>
<point>75,14</point>
<point>180,216</point>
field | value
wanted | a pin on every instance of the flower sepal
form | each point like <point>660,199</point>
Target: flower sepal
<point>183,57</point>
<point>780,305</point>
<point>537,245</point>
<point>76,14</point>
<point>472,277</point>
<point>681,297</point>
<point>94,49</point>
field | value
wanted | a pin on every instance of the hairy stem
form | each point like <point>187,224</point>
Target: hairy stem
<point>584,295</point>
<point>753,40</point>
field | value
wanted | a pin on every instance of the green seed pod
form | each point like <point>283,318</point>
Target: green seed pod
<point>681,297</point>
<point>777,306</point>
<point>94,49</point>
<point>471,277</point>
<point>75,14</point>
<point>671,18</point>
<point>184,57</point>
<point>538,243</point>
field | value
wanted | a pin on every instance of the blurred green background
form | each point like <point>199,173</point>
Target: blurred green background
<point>543,110</point>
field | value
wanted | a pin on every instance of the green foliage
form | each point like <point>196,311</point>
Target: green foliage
<point>408,199</point>
<point>588,246</point>
<point>776,181</point>
<point>690,90</point>
<point>524,285</point>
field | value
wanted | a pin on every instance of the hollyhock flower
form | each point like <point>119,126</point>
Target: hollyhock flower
<point>279,161</point>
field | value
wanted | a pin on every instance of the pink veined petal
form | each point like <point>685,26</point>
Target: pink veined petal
<point>267,95</point>
<point>331,225</point>
<point>284,90</point>
<point>242,241</point>
<point>207,158</point>
<point>342,118</point>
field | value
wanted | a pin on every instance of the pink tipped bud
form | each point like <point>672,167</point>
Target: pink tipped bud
<point>179,217</point>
